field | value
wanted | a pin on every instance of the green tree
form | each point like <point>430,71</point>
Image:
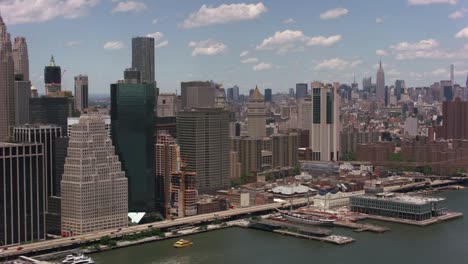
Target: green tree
<point>105,240</point>
<point>244,178</point>
<point>112,243</point>
<point>396,157</point>
<point>297,170</point>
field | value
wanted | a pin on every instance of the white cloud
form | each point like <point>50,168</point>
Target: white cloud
<point>324,41</point>
<point>113,45</point>
<point>249,60</point>
<point>440,72</point>
<point>334,13</point>
<point>244,53</point>
<point>459,13</point>
<point>34,11</point>
<point>380,52</point>
<point>262,66</point>
<point>430,2</point>
<point>289,21</point>
<point>425,44</point>
<point>155,21</point>
<point>466,46</point>
<point>289,40</point>
<point>392,72</point>
<point>207,47</point>
<point>225,13</point>
<point>462,33</point>
<point>162,44</point>
<point>379,20</point>
<point>73,43</point>
<point>129,6</point>
<point>156,35</point>
<point>336,64</point>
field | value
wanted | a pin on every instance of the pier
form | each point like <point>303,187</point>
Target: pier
<point>433,220</point>
<point>300,231</point>
<point>362,227</point>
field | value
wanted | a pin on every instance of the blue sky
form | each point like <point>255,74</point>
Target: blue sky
<point>284,42</point>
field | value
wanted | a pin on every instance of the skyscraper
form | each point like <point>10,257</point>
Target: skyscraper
<point>452,79</point>
<point>301,90</point>
<point>22,95</point>
<point>20,57</point>
<point>325,130</point>
<point>52,78</point>
<point>197,94</point>
<point>399,87</point>
<point>7,84</point>
<point>256,115</point>
<point>380,93</point>
<point>132,119</point>
<point>46,135</point>
<point>94,187</point>
<point>268,95</point>
<point>81,92</point>
<point>166,162</point>
<point>143,58</point>
<point>304,113</point>
<point>203,136</point>
<point>367,84</point>
<point>23,199</point>
<point>447,90</point>
<point>50,110</point>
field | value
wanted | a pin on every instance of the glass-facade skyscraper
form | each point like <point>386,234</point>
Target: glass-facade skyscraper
<point>143,57</point>
<point>132,118</point>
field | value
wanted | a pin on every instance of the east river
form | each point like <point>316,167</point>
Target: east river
<point>444,243</point>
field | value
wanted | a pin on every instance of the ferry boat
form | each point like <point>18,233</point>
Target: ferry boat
<point>307,219</point>
<point>79,259</point>
<point>182,243</point>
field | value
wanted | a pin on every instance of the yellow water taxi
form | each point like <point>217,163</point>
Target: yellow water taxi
<point>182,243</point>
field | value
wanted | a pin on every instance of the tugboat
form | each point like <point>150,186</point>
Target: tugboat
<point>182,243</point>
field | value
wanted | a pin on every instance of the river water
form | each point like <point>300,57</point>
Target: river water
<point>444,243</point>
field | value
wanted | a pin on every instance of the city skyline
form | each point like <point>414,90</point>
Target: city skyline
<point>280,46</point>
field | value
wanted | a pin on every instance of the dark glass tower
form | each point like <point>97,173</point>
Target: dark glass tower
<point>52,78</point>
<point>132,118</point>
<point>143,57</point>
<point>51,110</point>
<point>23,198</point>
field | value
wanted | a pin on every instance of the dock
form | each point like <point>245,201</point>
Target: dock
<point>433,220</point>
<point>334,239</point>
<point>362,227</point>
<point>300,231</point>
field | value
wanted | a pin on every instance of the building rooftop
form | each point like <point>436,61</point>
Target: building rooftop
<point>418,200</point>
<point>291,189</point>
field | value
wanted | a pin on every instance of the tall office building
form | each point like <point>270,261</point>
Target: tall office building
<point>291,93</point>
<point>452,69</point>
<point>301,90</point>
<point>249,153</point>
<point>52,78</point>
<point>367,84</point>
<point>285,150</point>
<point>399,87</point>
<point>143,58</point>
<point>7,84</point>
<point>50,110</point>
<point>197,94</point>
<point>81,92</point>
<point>132,119</point>
<point>380,88</point>
<point>166,162</point>
<point>447,90</point>
<point>232,94</point>
<point>23,196</point>
<point>20,57</point>
<point>256,115</point>
<point>46,135</point>
<point>94,187</point>
<point>268,95</point>
<point>304,113</point>
<point>325,130</point>
<point>22,95</point>
<point>203,136</point>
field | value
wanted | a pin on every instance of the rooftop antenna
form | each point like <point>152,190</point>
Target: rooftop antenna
<point>52,60</point>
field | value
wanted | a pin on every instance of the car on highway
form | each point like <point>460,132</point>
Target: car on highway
<point>150,226</point>
<point>119,229</point>
<point>72,238</point>
<point>5,248</point>
<point>19,248</point>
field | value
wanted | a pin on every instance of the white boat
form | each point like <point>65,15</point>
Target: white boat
<point>306,219</point>
<point>79,259</point>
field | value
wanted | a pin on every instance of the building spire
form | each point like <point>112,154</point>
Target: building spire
<point>52,60</point>
<point>380,63</point>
